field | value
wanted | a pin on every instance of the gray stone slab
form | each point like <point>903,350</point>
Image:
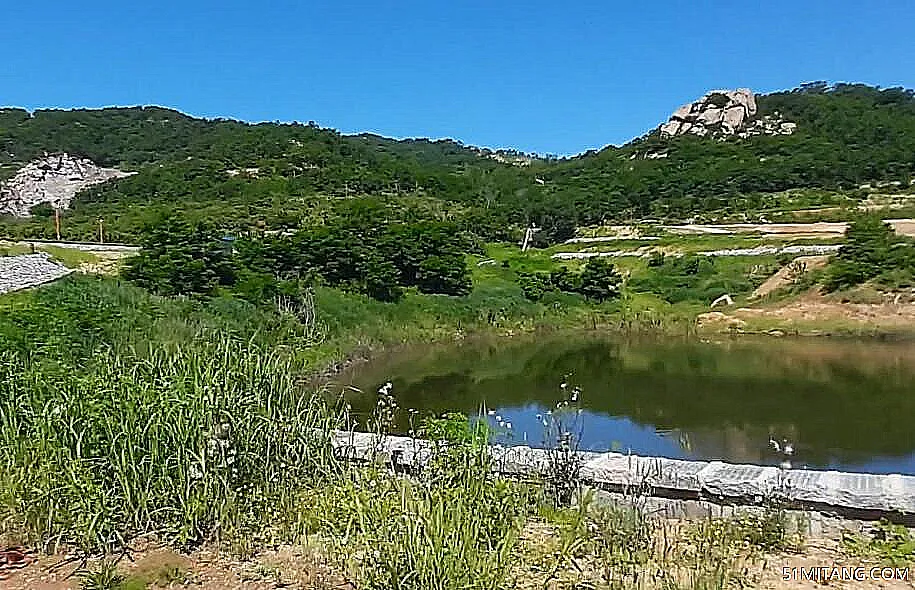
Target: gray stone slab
<point>649,475</point>
<point>671,474</point>
<point>519,460</point>
<point>903,489</point>
<point>853,490</point>
<point>613,469</point>
<point>739,481</point>
<point>28,270</point>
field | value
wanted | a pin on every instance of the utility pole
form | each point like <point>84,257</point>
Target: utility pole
<point>57,222</point>
<point>101,231</point>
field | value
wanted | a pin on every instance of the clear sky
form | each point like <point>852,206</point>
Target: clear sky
<point>552,77</point>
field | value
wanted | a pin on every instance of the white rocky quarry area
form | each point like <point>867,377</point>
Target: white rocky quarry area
<point>54,179</point>
<point>723,114</point>
<point>29,270</point>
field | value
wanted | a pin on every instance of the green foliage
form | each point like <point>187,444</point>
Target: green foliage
<point>278,177</point>
<point>534,285</point>
<point>597,281</point>
<point>180,258</point>
<point>872,250</point>
<point>888,542</point>
<point>452,526</point>
<point>104,577</point>
<point>443,274</point>
<point>847,135</point>
<point>349,252</point>
<point>124,413</point>
<point>693,278</point>
<point>42,210</point>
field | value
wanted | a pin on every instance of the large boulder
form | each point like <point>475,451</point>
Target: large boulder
<point>722,114</point>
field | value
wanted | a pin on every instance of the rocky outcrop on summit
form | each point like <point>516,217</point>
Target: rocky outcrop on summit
<point>722,114</point>
<point>54,179</point>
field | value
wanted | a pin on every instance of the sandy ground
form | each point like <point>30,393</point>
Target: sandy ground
<point>298,568</point>
<point>794,230</point>
<point>888,316</point>
<point>287,567</point>
<point>902,226</point>
<point>790,273</point>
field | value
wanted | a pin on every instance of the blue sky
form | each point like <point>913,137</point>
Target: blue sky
<point>551,77</point>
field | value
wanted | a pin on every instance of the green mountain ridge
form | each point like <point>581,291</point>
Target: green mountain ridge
<point>274,176</point>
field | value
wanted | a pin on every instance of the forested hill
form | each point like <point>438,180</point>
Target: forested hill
<point>281,175</point>
<point>847,135</point>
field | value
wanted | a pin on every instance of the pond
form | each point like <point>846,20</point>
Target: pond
<point>841,404</point>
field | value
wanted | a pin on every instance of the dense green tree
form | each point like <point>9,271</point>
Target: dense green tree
<point>600,280</point>
<point>287,176</point>
<point>871,250</point>
<point>443,274</point>
<point>179,258</point>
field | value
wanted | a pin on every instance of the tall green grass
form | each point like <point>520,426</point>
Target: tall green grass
<point>124,414</point>
<point>453,525</point>
<point>124,419</point>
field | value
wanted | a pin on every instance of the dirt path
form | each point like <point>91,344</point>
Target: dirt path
<point>295,568</point>
<point>904,227</point>
<point>789,273</point>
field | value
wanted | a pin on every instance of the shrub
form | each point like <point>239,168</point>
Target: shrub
<point>600,280</point>
<point>872,250</point>
<point>180,258</point>
<point>534,285</point>
<point>693,278</point>
<point>597,281</point>
<point>138,415</point>
<point>452,526</point>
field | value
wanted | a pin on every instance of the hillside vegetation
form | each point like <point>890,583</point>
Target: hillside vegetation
<point>276,176</point>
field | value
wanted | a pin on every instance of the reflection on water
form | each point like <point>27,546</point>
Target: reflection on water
<point>844,404</point>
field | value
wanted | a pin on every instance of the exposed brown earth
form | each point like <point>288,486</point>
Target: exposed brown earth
<point>287,567</point>
<point>904,227</point>
<point>299,568</point>
<point>790,273</point>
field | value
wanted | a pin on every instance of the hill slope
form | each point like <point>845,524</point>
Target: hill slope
<point>281,175</point>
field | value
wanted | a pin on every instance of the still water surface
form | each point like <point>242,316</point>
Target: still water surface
<point>843,404</point>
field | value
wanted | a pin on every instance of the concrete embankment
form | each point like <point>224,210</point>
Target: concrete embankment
<point>849,495</point>
<point>28,270</point>
<point>93,247</point>
<point>812,249</point>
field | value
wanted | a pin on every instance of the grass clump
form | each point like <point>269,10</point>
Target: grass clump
<point>454,525</point>
<point>147,418</point>
<point>105,576</point>
<point>887,542</point>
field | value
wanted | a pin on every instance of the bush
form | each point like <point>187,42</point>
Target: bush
<point>446,275</point>
<point>599,280</point>
<point>179,258</point>
<point>535,285</point>
<point>693,278</point>
<point>872,250</point>
<point>454,526</point>
<point>141,414</point>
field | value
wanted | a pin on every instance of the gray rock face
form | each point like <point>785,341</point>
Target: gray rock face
<point>30,270</point>
<point>722,114</point>
<point>55,180</point>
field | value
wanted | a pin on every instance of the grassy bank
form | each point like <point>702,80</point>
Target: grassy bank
<point>119,408</point>
<point>127,416</point>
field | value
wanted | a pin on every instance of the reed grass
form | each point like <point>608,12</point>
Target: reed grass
<point>123,420</point>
